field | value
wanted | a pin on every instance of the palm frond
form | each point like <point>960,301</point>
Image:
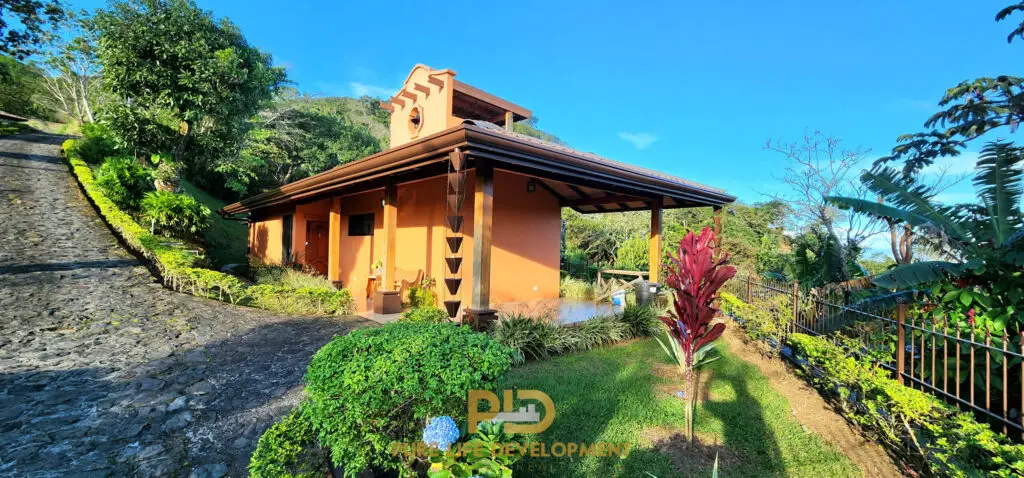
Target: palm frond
<point>999,187</point>
<point>904,193</point>
<point>878,210</point>
<point>909,275</point>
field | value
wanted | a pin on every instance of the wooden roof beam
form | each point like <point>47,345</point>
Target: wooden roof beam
<point>583,196</point>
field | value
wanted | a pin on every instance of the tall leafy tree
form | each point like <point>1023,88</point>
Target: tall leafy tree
<point>291,140</point>
<point>169,59</point>
<point>20,86</point>
<point>33,20</point>
<point>970,109</point>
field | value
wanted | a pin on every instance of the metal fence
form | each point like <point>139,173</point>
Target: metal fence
<point>958,362</point>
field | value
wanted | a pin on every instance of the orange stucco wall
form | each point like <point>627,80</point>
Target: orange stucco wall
<point>525,244</point>
<point>265,240</point>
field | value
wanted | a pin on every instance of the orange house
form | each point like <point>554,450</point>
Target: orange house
<point>458,197</point>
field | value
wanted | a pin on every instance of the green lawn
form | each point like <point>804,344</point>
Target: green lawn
<point>612,394</point>
<point>226,240</point>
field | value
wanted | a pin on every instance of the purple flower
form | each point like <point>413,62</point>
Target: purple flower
<point>441,432</point>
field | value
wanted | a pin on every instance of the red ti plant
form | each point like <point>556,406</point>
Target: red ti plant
<point>695,276</point>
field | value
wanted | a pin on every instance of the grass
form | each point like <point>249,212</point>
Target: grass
<point>614,395</point>
<point>226,240</point>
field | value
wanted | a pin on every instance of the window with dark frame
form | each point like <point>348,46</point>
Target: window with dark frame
<point>360,224</point>
<point>286,239</point>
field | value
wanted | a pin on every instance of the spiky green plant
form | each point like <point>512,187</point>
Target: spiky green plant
<point>978,245</point>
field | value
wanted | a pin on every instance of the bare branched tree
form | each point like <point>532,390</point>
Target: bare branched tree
<point>73,72</point>
<point>817,167</point>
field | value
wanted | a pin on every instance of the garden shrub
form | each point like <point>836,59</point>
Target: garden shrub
<point>421,297</point>
<point>288,276</point>
<point>764,319</point>
<point>428,315</point>
<point>642,320</point>
<point>376,386</point>
<point>124,181</point>
<point>290,449</point>
<point>571,288</point>
<point>96,144</point>
<point>533,338</point>
<point>947,441</point>
<point>303,300</point>
<point>176,215</point>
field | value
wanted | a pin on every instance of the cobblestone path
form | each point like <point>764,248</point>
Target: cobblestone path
<point>103,371</point>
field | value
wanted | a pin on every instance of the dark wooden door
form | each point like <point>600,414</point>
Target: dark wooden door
<point>317,243</point>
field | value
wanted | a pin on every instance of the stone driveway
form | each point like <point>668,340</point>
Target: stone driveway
<point>104,372</point>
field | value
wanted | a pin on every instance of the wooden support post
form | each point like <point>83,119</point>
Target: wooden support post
<point>334,242</point>
<point>390,235</point>
<point>509,119</point>
<point>483,212</point>
<point>901,341</point>
<point>718,232</point>
<point>749,290</point>
<point>655,249</point>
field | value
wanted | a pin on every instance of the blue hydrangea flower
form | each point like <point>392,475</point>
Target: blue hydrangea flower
<point>441,432</point>
<point>681,395</point>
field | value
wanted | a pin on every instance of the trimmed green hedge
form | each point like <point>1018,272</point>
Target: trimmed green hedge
<point>182,270</point>
<point>289,449</point>
<point>947,441</point>
<point>376,386</point>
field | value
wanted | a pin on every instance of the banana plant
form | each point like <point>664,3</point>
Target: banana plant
<point>695,275</point>
<point>979,246</point>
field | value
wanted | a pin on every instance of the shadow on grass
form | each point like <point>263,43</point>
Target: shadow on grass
<point>614,395</point>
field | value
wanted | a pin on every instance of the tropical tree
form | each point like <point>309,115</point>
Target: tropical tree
<point>291,140</point>
<point>167,61</point>
<point>20,87</point>
<point>979,246</point>
<point>33,21</point>
<point>695,275</point>
<point>971,109</point>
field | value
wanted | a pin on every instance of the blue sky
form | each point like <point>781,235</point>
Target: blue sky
<point>690,88</point>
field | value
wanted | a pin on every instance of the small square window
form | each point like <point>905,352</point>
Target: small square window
<point>360,224</point>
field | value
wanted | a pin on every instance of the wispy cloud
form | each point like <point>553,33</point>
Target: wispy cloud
<point>639,140</point>
<point>362,89</point>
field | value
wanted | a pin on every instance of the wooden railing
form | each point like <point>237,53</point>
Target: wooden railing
<point>974,369</point>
